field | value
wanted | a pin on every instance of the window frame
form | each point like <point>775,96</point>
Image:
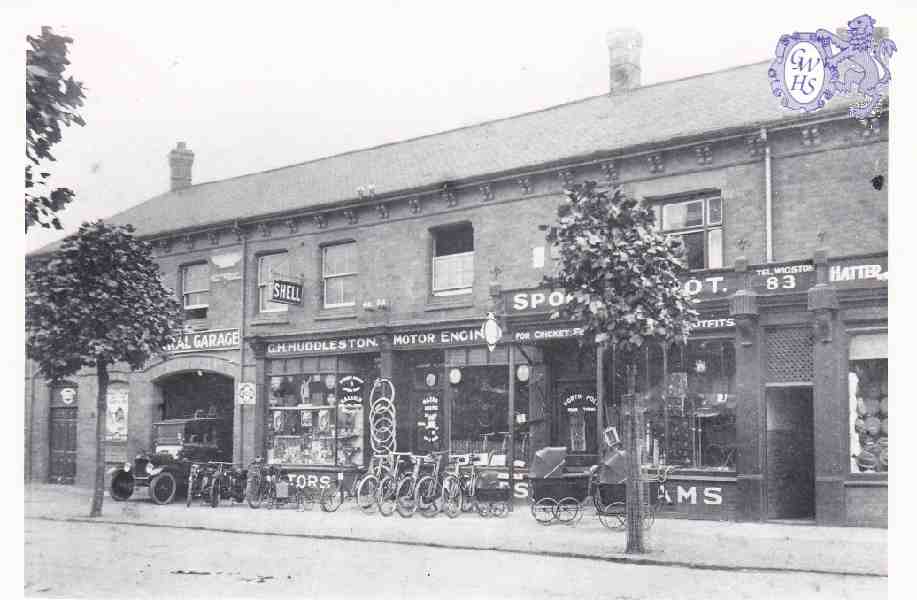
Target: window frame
<point>278,307</point>
<point>184,291</point>
<point>326,277</point>
<point>441,230</point>
<point>705,227</point>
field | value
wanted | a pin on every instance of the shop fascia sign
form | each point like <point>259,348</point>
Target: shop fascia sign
<point>284,291</point>
<point>445,337</point>
<point>201,341</point>
<point>577,401</point>
<point>571,330</point>
<point>787,277</point>
<point>324,346</point>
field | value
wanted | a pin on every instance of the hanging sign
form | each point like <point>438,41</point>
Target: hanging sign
<point>200,341</point>
<point>286,292</point>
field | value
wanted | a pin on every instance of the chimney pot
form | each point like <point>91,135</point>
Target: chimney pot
<point>624,47</point>
<point>180,161</point>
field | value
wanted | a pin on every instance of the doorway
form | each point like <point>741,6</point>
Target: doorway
<point>790,454</point>
<point>63,444</point>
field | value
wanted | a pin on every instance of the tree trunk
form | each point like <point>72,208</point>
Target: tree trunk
<point>634,504</point>
<point>98,492</point>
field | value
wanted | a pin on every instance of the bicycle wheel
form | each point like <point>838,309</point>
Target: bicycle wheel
<point>385,496</point>
<point>190,494</point>
<point>499,509</point>
<point>544,510</point>
<point>483,509</point>
<point>331,498</point>
<point>367,490</point>
<point>404,496</point>
<point>613,516</point>
<point>452,496</point>
<point>425,496</point>
<point>215,492</point>
<point>567,510</point>
<point>649,516</point>
<point>254,492</point>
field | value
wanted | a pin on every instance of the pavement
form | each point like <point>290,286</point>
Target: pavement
<point>709,545</point>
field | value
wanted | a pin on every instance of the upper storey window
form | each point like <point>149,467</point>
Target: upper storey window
<point>339,274</point>
<point>698,223</point>
<point>195,290</point>
<point>453,260</point>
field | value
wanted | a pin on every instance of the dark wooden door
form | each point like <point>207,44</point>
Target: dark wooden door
<point>63,444</point>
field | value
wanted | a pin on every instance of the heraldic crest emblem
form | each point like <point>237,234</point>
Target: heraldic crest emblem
<point>807,71</point>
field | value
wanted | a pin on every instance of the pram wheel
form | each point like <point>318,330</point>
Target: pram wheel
<point>613,516</point>
<point>568,510</point>
<point>545,510</point>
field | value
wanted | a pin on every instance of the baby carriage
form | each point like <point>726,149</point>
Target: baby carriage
<point>557,495</point>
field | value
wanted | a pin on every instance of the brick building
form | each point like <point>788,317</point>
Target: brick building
<point>776,408</point>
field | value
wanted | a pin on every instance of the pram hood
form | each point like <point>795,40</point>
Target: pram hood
<point>548,462</point>
<point>614,468</point>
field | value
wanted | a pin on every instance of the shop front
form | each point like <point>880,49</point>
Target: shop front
<point>744,416</point>
<point>314,410</point>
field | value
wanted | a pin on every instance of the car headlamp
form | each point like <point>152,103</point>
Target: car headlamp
<point>127,467</point>
<point>149,468</point>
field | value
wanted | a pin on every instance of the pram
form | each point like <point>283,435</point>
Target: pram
<point>557,495</point>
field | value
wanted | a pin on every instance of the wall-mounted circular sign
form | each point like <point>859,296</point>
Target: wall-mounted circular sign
<point>68,395</point>
<point>523,372</point>
<point>431,379</point>
<point>455,376</point>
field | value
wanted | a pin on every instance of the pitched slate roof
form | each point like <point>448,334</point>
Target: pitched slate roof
<point>731,99</point>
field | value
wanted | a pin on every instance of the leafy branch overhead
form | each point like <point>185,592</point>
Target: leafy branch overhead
<point>619,271</point>
<point>51,100</point>
<point>99,299</point>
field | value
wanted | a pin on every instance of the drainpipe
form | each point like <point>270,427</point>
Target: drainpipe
<point>242,350</point>
<point>768,200</point>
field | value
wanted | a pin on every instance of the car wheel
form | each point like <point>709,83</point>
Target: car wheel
<point>122,486</point>
<point>162,488</point>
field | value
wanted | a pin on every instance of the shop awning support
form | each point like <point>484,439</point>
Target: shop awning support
<point>511,458</point>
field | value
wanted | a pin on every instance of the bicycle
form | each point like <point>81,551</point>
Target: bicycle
<point>199,483</point>
<point>459,490</point>
<point>387,492</point>
<point>363,489</point>
<point>430,487</point>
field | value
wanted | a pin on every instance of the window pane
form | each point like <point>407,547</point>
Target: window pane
<point>453,272</point>
<point>339,259</point>
<point>693,244</point>
<point>868,398</point>
<point>348,289</point>
<point>714,211</point>
<point>332,291</point>
<point>272,265</point>
<point>196,278</point>
<point>196,299</point>
<point>715,248</point>
<point>454,240</point>
<point>683,214</point>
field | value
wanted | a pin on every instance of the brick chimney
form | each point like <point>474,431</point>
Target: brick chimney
<point>180,161</point>
<point>624,59</point>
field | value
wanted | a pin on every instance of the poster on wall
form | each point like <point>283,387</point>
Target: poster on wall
<point>116,427</point>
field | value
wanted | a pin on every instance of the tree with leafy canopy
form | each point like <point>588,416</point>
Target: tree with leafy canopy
<point>620,274</point>
<point>96,302</point>
<point>51,99</point>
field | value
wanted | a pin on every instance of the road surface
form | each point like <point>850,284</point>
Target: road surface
<point>100,560</point>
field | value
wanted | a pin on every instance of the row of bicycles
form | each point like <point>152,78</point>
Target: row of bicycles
<point>400,482</point>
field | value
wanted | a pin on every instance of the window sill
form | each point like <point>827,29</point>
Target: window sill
<point>196,324</point>
<point>268,319</point>
<point>867,480</point>
<point>331,315</point>
<point>448,303</point>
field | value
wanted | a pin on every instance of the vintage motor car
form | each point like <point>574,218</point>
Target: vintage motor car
<point>178,443</point>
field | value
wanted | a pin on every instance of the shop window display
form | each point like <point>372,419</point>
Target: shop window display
<point>480,417</point>
<point>316,419</point>
<point>868,389</point>
<point>690,405</point>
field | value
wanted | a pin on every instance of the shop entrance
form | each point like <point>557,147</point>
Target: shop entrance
<point>197,394</point>
<point>790,455</point>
